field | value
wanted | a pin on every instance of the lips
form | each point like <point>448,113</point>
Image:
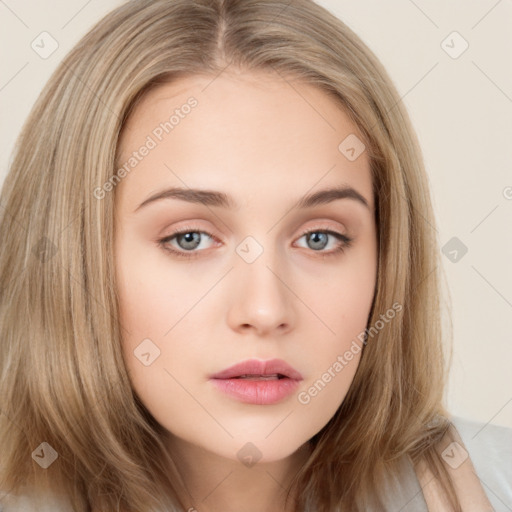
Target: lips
<point>272,369</point>
<point>258,382</point>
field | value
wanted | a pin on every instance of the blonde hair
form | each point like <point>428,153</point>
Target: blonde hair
<point>63,377</point>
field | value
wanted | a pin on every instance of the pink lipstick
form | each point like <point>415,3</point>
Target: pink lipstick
<point>258,382</point>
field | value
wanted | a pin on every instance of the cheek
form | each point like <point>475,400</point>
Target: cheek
<point>151,293</point>
<point>342,301</point>
<point>153,315</point>
<point>342,307</point>
<point>148,305</point>
<point>335,354</point>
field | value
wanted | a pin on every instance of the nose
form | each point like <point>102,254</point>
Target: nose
<point>261,299</point>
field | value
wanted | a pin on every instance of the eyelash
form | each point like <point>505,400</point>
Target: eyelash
<point>345,242</point>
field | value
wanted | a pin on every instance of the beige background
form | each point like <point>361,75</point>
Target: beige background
<point>462,110</point>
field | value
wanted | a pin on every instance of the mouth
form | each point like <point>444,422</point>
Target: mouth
<point>254,369</point>
<point>276,376</point>
<point>258,382</point>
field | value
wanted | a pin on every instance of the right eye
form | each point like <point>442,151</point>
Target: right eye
<point>189,237</point>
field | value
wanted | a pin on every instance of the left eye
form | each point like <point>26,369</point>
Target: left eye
<point>320,237</point>
<point>189,239</point>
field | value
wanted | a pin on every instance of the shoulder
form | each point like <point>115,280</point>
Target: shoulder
<point>479,461</point>
<point>490,449</point>
<point>29,501</point>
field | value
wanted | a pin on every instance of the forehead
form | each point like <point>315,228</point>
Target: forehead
<point>248,133</point>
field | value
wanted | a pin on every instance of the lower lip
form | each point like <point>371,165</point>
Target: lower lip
<point>259,392</point>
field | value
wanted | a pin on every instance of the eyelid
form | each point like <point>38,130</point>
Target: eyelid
<point>322,226</point>
<point>188,228</point>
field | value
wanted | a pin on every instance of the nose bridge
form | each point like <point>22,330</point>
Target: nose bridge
<point>262,296</point>
<point>259,262</point>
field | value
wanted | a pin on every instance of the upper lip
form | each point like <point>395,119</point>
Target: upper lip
<point>257,367</point>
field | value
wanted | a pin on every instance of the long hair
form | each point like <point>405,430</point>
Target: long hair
<point>63,378</point>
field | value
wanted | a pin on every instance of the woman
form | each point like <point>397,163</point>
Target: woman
<point>251,372</point>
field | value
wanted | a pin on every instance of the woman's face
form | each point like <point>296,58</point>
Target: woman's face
<point>256,287</point>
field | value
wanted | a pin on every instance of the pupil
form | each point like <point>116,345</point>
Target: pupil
<point>190,238</point>
<point>314,237</point>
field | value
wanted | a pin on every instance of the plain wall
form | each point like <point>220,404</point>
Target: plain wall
<point>461,106</point>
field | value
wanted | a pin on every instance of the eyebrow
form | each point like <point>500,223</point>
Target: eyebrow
<point>222,200</point>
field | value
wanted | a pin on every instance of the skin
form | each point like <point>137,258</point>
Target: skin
<point>267,142</point>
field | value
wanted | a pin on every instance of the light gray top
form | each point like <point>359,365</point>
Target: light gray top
<point>489,447</point>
